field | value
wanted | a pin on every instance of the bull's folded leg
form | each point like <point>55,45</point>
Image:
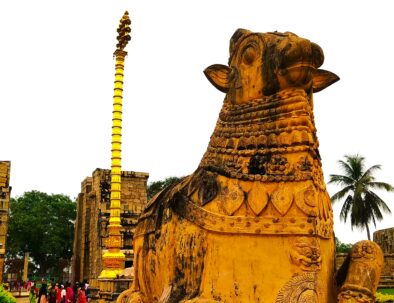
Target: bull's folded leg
<point>362,279</point>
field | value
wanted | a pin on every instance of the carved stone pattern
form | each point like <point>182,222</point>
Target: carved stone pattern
<point>282,199</point>
<point>112,263</point>
<point>231,197</point>
<point>306,254</point>
<point>385,239</point>
<point>353,293</point>
<point>306,200</point>
<point>234,224</point>
<point>244,225</point>
<point>274,126</point>
<point>362,251</point>
<point>105,190</point>
<point>300,288</point>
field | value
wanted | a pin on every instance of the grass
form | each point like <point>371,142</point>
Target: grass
<point>386,291</point>
<point>385,295</point>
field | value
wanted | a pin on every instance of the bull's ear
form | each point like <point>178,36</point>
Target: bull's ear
<point>322,79</point>
<point>219,76</point>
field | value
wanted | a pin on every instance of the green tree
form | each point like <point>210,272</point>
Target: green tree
<point>342,247</point>
<point>361,203</point>
<point>156,186</point>
<point>43,225</point>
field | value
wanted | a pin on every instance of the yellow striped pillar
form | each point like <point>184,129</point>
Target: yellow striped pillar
<point>113,258</point>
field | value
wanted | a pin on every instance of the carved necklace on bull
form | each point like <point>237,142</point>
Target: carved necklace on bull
<point>262,125</point>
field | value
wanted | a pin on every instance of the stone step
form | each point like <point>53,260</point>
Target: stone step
<point>386,284</point>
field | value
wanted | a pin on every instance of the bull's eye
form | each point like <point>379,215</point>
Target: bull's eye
<point>249,55</point>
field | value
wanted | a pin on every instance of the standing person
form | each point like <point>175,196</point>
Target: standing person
<point>36,288</point>
<point>87,290</point>
<point>42,294</point>
<point>75,290</point>
<point>52,294</point>
<point>63,294</point>
<point>58,293</point>
<point>32,295</point>
<point>69,293</point>
<point>81,295</point>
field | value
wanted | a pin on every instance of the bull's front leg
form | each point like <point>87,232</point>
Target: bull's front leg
<point>363,274</point>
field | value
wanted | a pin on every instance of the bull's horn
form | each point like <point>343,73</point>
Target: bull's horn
<point>322,79</point>
<point>219,76</point>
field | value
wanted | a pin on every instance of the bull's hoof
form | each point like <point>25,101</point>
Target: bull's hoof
<point>130,296</point>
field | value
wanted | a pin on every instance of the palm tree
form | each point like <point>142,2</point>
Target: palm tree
<point>361,204</point>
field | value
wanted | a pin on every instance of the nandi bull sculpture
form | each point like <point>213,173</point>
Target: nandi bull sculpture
<point>254,222</point>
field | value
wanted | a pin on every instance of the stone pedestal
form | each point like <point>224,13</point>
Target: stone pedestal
<point>108,290</point>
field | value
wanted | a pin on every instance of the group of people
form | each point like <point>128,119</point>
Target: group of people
<point>58,293</point>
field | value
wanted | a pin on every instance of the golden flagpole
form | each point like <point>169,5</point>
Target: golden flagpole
<point>113,258</point>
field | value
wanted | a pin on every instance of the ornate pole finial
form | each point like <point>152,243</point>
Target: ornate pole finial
<point>123,32</point>
<point>113,257</point>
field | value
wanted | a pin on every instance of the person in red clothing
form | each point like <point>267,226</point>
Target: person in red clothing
<point>63,294</point>
<point>58,293</point>
<point>81,295</point>
<point>69,293</point>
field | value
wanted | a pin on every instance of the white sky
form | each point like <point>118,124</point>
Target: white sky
<point>57,73</point>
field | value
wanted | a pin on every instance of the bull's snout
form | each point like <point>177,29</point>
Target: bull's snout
<point>300,53</point>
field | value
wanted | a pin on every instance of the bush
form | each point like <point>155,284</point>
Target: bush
<point>5,296</point>
<point>384,298</point>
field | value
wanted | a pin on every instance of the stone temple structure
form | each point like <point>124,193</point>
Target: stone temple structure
<point>93,204</point>
<point>385,239</point>
<point>5,192</point>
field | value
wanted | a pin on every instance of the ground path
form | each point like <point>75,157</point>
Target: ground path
<point>22,300</point>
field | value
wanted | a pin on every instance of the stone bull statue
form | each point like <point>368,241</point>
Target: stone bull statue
<point>254,222</point>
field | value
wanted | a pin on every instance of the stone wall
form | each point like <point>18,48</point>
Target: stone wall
<point>385,239</point>
<point>339,259</point>
<point>93,205</point>
<point>5,192</point>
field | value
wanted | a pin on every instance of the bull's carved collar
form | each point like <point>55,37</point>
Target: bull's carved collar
<point>213,222</point>
<point>271,139</point>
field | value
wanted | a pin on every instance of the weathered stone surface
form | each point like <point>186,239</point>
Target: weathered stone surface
<point>385,239</point>
<point>92,219</point>
<point>363,273</point>
<point>5,194</point>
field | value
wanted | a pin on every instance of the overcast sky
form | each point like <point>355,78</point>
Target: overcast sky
<point>57,73</point>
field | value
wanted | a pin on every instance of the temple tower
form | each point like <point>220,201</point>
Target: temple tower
<point>5,193</point>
